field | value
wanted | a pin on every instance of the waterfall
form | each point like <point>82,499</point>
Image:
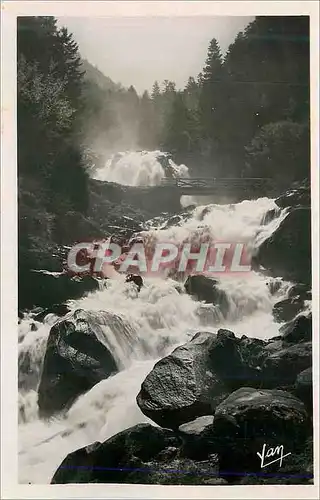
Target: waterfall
<point>140,168</point>
<point>143,327</point>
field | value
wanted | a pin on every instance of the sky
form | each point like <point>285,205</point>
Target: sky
<point>138,51</point>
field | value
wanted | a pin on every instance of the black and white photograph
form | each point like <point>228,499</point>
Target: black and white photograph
<point>164,293</point>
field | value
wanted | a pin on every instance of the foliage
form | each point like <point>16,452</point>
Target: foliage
<point>262,80</point>
<point>49,102</point>
<point>280,150</point>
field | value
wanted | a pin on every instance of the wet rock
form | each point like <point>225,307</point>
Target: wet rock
<point>142,454</point>
<point>287,309</point>
<point>57,309</point>
<point>194,378</point>
<point>136,279</point>
<point>303,387</point>
<point>76,359</point>
<point>182,385</point>
<point>282,366</point>
<point>300,290</point>
<point>248,419</point>
<point>299,196</point>
<point>298,330</point>
<point>287,252</point>
<point>117,459</point>
<point>207,289</point>
<point>274,345</point>
<point>252,352</point>
<point>196,437</point>
<point>46,289</point>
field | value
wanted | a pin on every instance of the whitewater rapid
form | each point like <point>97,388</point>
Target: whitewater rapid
<point>148,326</point>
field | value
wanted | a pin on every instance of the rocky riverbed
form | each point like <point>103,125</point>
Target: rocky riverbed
<point>214,402</point>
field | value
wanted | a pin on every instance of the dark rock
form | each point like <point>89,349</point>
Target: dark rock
<point>281,367</point>
<point>195,377</point>
<point>303,387</point>
<point>297,330</point>
<point>182,385</point>
<point>75,360</point>
<point>287,309</point>
<point>299,196</point>
<point>207,289</point>
<point>46,289</point>
<point>252,352</point>
<point>136,279</point>
<point>115,460</point>
<point>196,437</point>
<point>287,252</point>
<point>150,200</point>
<point>300,290</point>
<point>57,309</point>
<point>142,454</point>
<point>249,419</point>
<point>274,345</point>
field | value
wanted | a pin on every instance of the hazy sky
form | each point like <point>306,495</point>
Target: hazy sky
<point>138,51</point>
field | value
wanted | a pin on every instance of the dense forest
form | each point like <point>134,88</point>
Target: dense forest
<point>245,114</point>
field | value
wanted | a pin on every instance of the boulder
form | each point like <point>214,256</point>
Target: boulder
<point>300,290</point>
<point>252,353</point>
<point>182,385</point>
<point>117,459</point>
<point>57,309</point>
<point>196,437</point>
<point>76,359</point>
<point>142,454</point>
<point>281,367</point>
<point>194,378</point>
<point>297,330</point>
<point>248,419</point>
<point>287,252</point>
<point>287,309</point>
<point>303,387</point>
<point>206,289</point>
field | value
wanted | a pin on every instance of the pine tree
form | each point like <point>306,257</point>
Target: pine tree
<point>212,71</point>
<point>211,101</point>
<point>155,90</point>
<point>49,90</point>
<point>179,131</point>
<point>148,133</point>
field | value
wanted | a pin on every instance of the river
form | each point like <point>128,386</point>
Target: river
<point>159,318</point>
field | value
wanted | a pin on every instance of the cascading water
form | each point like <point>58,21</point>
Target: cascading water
<point>145,168</point>
<point>143,328</point>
